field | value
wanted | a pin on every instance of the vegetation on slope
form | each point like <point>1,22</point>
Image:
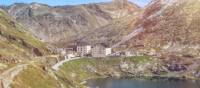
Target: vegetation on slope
<point>35,77</point>
<point>16,43</point>
<point>74,73</point>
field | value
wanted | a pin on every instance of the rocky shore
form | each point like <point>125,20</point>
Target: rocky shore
<point>119,67</point>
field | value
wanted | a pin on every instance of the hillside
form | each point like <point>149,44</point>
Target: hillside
<point>169,30</point>
<point>65,24</point>
<point>165,35</point>
<point>113,32</point>
<point>16,44</point>
<point>74,73</point>
<point>168,26</point>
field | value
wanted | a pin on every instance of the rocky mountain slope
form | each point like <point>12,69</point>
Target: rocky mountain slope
<point>16,44</point>
<point>68,23</point>
<point>112,32</point>
<point>168,26</point>
<point>169,30</point>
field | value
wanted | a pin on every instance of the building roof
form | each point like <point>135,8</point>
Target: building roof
<point>82,44</point>
<point>102,44</point>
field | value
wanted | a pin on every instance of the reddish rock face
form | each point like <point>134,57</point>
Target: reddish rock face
<point>170,26</point>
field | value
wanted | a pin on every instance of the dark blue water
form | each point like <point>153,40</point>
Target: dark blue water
<point>142,83</point>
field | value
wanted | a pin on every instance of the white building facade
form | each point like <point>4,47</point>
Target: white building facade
<point>108,51</point>
<point>83,49</point>
<point>101,50</point>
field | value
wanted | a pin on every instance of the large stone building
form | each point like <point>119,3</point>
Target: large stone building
<point>83,48</point>
<point>101,50</point>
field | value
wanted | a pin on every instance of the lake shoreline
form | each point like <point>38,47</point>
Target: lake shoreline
<point>155,81</point>
<point>147,77</point>
<point>91,68</point>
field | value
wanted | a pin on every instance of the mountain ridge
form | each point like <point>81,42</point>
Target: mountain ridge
<point>67,23</point>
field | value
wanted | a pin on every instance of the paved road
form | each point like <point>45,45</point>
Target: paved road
<point>56,66</point>
<point>6,78</point>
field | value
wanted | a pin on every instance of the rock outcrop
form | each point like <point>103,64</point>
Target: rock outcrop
<point>169,26</point>
<point>168,29</point>
<point>17,44</point>
<point>65,24</point>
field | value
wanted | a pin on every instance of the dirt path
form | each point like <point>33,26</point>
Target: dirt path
<point>6,78</point>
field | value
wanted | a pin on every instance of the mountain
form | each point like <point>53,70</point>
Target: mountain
<point>166,30</point>
<point>113,32</point>
<point>65,24</point>
<point>17,44</point>
<point>167,26</point>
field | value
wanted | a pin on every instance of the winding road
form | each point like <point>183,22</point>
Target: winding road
<point>6,78</point>
<point>56,66</point>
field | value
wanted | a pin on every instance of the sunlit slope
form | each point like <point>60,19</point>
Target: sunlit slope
<point>169,26</point>
<point>16,43</point>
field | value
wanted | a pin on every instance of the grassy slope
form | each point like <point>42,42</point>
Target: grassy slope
<point>15,42</point>
<point>73,73</point>
<point>35,77</point>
